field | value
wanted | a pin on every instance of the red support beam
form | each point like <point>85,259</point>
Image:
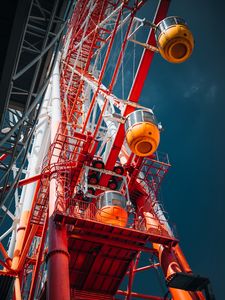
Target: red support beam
<point>110,234</point>
<point>138,295</point>
<point>58,285</point>
<point>133,266</point>
<point>147,56</point>
<point>3,156</point>
<point>30,179</point>
<point>111,243</point>
<point>137,87</point>
<point>38,261</point>
<point>147,267</point>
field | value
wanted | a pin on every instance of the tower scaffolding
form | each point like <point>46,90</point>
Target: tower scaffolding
<point>87,207</point>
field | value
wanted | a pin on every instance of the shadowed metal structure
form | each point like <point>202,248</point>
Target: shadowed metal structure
<point>80,171</point>
<point>34,32</point>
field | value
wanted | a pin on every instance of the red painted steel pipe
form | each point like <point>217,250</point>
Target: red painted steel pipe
<point>138,295</point>
<point>58,285</point>
<point>168,261</point>
<point>58,263</point>
<point>38,261</point>
<point>133,266</point>
<point>3,156</point>
<point>146,268</point>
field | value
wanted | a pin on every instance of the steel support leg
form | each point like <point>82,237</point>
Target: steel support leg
<point>58,285</point>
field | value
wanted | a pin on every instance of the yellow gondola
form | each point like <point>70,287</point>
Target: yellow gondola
<point>142,132</point>
<point>174,39</point>
<point>112,209</point>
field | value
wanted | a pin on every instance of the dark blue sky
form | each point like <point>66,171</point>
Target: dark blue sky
<point>189,100</point>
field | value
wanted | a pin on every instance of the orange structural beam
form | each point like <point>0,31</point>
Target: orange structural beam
<point>181,259</point>
<point>26,246</point>
<point>17,289</point>
<point>167,258</point>
<point>24,235</point>
<point>170,265</point>
<point>8,260</point>
<point>38,261</point>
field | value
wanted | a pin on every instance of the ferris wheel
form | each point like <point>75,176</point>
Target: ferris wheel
<point>80,206</point>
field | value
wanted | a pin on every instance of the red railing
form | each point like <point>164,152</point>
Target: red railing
<point>64,161</point>
<point>153,170</point>
<point>89,211</point>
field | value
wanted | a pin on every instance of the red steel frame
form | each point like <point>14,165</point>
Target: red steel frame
<point>138,84</point>
<point>72,86</point>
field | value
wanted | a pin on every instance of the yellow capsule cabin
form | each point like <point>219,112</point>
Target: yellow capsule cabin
<point>112,209</point>
<point>142,132</point>
<point>174,39</point>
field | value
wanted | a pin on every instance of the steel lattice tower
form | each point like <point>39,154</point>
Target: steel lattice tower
<point>88,208</point>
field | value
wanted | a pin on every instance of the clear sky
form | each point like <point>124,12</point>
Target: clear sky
<point>189,100</point>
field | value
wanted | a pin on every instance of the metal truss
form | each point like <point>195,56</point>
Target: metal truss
<point>62,248</point>
<point>36,40</point>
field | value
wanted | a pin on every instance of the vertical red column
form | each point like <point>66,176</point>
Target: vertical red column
<point>58,263</point>
<point>58,285</point>
<point>168,257</point>
<point>170,266</point>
